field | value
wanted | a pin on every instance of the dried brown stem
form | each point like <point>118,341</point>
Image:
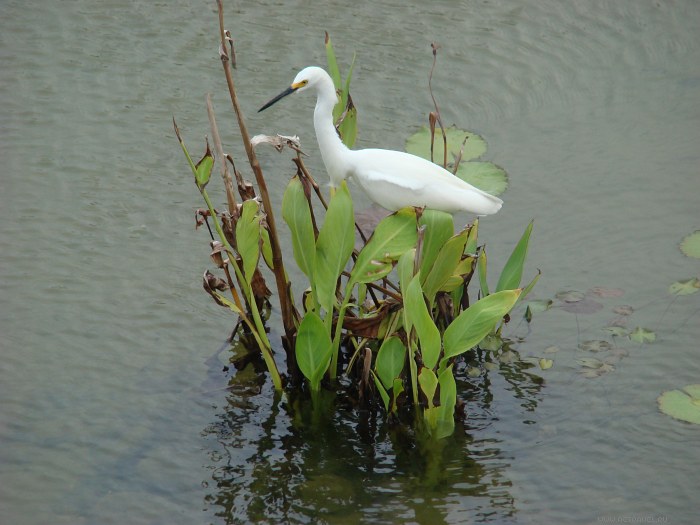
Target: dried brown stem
<point>228,182</point>
<point>286,305</point>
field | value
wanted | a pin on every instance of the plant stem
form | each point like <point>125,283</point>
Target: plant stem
<point>286,306</point>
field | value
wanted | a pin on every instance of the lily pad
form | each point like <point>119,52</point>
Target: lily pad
<point>595,346</point>
<point>623,309</point>
<point>570,296</point>
<point>616,331</point>
<point>606,292</point>
<point>685,287</point>
<point>590,362</point>
<point>419,144</point>
<point>642,335</point>
<point>584,306</point>
<point>539,305</point>
<point>690,245</point>
<point>546,364</point>
<point>463,145</point>
<point>682,404</point>
<point>484,175</point>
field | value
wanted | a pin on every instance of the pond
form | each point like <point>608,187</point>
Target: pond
<point>115,406</point>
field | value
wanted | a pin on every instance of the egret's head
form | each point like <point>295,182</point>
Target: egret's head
<point>306,78</point>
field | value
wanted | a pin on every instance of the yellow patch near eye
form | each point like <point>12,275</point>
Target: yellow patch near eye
<point>298,85</point>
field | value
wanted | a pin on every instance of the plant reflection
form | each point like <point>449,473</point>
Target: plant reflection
<point>277,460</point>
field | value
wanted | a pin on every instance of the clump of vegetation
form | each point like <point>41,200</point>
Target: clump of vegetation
<point>393,315</point>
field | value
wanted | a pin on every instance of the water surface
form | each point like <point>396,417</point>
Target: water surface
<point>114,406</point>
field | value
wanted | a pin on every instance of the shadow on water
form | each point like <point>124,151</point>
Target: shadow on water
<point>275,460</point>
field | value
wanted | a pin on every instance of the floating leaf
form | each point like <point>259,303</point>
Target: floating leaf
<point>623,309</point>
<point>484,175</point>
<point>606,293</point>
<point>570,296</point>
<point>616,331</point>
<point>546,364</point>
<point>682,404</point>
<point>584,306</point>
<point>685,287</point>
<point>642,335</point>
<point>419,144</point>
<point>595,346</point>
<point>690,245</point>
<point>473,371</point>
<point>539,305</point>
<point>590,362</point>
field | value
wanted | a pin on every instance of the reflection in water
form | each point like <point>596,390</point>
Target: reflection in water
<point>274,460</point>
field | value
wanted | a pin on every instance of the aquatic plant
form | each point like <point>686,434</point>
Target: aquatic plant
<point>396,319</point>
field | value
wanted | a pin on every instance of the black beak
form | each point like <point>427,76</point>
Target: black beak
<point>284,93</point>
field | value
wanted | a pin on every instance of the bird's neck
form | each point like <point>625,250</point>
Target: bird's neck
<point>334,152</point>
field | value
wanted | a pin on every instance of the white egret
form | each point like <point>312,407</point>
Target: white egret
<point>392,179</point>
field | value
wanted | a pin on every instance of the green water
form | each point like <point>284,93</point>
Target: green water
<point>113,406</point>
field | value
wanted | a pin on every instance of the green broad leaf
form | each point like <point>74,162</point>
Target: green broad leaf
<point>690,245</point>
<point>334,246</point>
<point>685,287</point>
<point>445,265</point>
<point>397,389</point>
<point>297,214</point>
<point>417,311</point>
<point>313,349</point>
<point>223,301</point>
<point>439,226</point>
<point>348,126</point>
<point>513,270</point>
<point>267,248</point>
<point>472,325</point>
<point>382,391</point>
<point>484,175</point>
<point>448,400</point>
<point>419,144</point>
<point>248,237</point>
<point>530,286</point>
<point>405,269</point>
<point>642,335</point>
<point>390,360</point>
<point>391,238</point>
<point>481,263</point>
<point>682,404</point>
<point>472,239</point>
<point>203,169</point>
<point>428,382</point>
<point>333,70</point>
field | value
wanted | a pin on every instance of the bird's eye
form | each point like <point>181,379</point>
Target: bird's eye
<point>303,83</point>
